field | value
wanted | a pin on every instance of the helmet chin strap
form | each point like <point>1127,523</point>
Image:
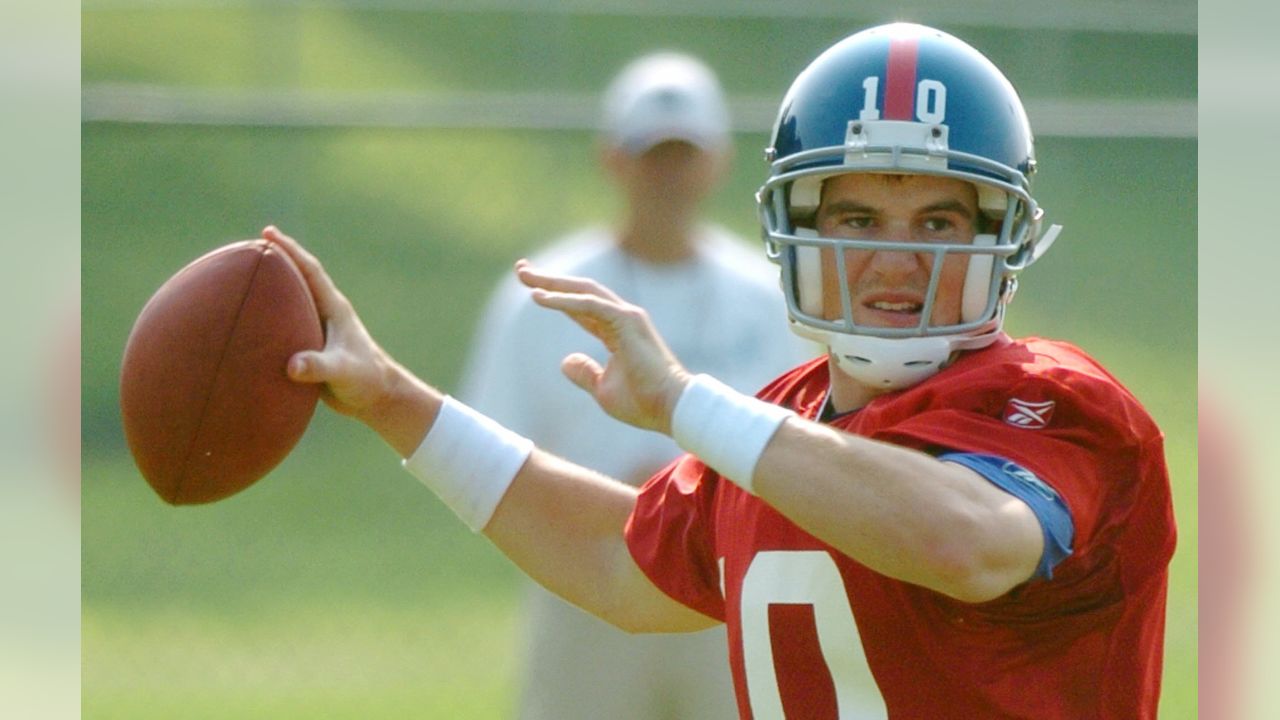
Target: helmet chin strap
<point>885,363</point>
<point>891,363</point>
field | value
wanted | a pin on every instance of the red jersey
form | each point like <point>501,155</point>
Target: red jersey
<point>806,623</point>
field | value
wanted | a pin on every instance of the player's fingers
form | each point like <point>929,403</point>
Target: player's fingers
<point>300,255</point>
<point>535,278</point>
<point>582,371</point>
<point>604,319</point>
<point>326,294</point>
<point>576,304</point>
<point>309,366</point>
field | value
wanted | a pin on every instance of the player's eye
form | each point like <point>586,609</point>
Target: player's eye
<point>857,222</point>
<point>938,224</point>
<point>945,227</point>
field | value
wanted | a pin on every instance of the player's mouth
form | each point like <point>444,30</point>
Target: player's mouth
<point>897,307</point>
<point>892,310</point>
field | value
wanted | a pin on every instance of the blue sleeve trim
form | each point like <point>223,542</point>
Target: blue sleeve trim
<point>1044,501</point>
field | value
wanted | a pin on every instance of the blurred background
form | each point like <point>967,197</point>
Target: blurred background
<point>419,148</point>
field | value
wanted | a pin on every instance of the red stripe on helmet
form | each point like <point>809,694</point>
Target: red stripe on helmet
<point>900,85</point>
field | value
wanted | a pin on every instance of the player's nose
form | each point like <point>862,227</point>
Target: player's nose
<point>893,264</point>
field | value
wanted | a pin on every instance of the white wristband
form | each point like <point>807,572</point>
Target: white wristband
<point>724,428</point>
<point>469,460</point>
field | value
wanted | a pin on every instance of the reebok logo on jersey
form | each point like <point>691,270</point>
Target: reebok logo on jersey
<point>1029,415</point>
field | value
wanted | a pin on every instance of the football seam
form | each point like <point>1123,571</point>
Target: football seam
<point>183,474</point>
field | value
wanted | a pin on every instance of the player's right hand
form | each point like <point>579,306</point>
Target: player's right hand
<point>358,376</point>
<point>642,380</point>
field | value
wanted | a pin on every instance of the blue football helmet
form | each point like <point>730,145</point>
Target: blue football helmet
<point>902,99</point>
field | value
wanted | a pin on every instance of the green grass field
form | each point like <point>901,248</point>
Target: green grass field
<point>337,587</point>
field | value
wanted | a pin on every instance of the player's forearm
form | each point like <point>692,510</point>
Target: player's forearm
<point>562,524</point>
<point>406,410</point>
<point>899,511</point>
<point>559,522</point>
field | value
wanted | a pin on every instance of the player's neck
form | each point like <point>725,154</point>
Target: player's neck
<point>658,238</point>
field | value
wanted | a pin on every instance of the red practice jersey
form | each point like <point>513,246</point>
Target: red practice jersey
<point>814,634</point>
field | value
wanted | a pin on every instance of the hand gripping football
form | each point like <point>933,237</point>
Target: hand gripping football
<point>207,407</point>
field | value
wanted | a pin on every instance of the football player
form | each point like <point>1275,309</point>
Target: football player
<point>932,520</point>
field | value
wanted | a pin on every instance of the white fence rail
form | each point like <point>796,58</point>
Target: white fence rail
<point>156,104</point>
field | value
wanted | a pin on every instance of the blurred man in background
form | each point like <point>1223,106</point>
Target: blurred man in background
<point>664,145</point>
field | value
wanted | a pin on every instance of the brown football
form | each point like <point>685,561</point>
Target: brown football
<point>207,407</point>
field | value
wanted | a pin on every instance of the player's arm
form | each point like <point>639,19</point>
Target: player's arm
<point>900,512</point>
<point>559,522</point>
<point>562,524</point>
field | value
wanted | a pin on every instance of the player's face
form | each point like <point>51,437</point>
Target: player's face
<point>888,287</point>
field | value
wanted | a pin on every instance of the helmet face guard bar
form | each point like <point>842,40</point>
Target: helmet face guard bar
<point>782,244</point>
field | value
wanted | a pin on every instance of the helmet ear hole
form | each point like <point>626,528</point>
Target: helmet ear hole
<point>977,281</point>
<point>808,273</point>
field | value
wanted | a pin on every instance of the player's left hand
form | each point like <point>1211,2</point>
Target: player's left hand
<point>642,380</point>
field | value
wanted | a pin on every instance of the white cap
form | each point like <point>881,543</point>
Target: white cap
<point>665,96</point>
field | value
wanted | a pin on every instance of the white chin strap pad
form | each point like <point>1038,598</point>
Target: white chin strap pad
<point>977,281</point>
<point>808,273</point>
<point>889,363</point>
